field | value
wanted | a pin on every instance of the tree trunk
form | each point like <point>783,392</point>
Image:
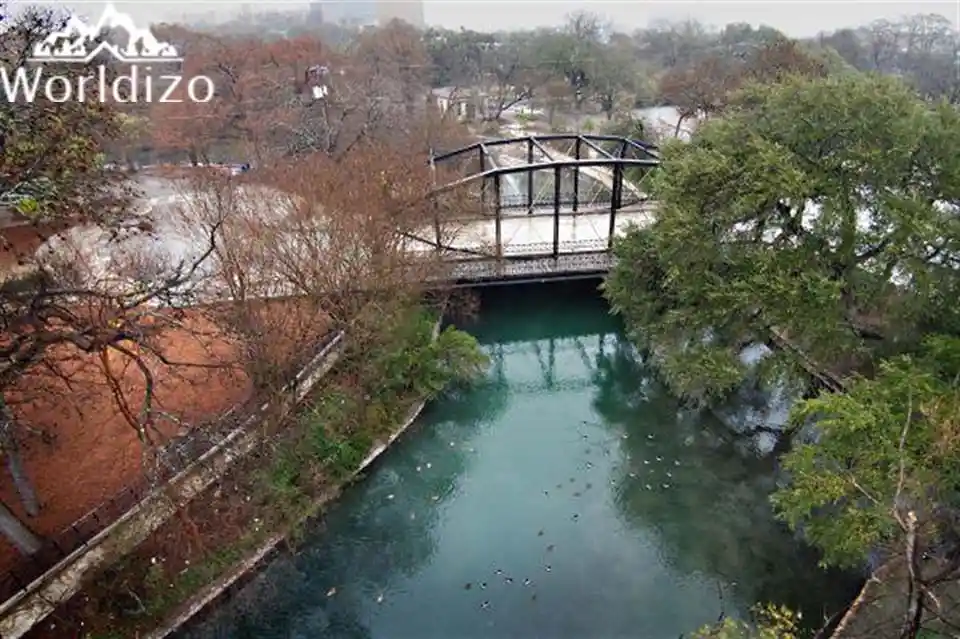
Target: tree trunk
<point>913,616</point>
<point>11,450</point>
<point>28,496</point>
<point>17,532</point>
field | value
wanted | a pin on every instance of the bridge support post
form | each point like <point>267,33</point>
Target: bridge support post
<point>556,212</point>
<point>498,218</point>
<point>483,182</point>
<point>576,175</point>
<point>615,201</point>
<point>529,177</point>
<point>436,226</point>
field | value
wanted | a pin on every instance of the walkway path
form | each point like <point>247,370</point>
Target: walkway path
<point>533,235</point>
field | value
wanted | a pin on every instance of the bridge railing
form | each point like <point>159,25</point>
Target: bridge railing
<point>568,203</point>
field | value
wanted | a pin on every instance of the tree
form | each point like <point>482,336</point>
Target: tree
<point>704,89</point>
<point>133,131</point>
<point>847,43</point>
<point>186,127</point>
<point>509,74</point>
<point>50,177</point>
<point>318,230</point>
<point>456,57</point>
<point>815,218</point>
<point>921,48</point>
<point>572,53</point>
<point>771,622</point>
<point>612,72</point>
<point>50,160</point>
<point>895,495</point>
<point>930,56</point>
<point>295,96</point>
<point>777,60</point>
<point>883,45</point>
<point>741,40</point>
<point>699,91</point>
<point>669,45</point>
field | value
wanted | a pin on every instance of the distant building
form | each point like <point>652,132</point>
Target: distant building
<point>353,13</point>
<point>316,13</point>
<point>466,106</point>
<point>409,11</point>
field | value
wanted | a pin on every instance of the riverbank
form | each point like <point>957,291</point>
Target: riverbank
<point>209,595</point>
<point>345,425</point>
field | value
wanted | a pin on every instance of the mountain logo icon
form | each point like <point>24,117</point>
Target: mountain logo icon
<point>82,42</point>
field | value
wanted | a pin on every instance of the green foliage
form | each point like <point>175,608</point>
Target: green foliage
<point>338,454</point>
<point>342,423</point>
<point>888,443</point>
<point>414,362</point>
<point>165,592</point>
<point>735,253</point>
<point>284,474</point>
<point>770,622</point>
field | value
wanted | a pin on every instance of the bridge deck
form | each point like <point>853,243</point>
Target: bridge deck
<point>534,246</point>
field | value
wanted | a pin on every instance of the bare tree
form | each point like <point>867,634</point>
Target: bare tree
<point>699,91</point>
<point>295,96</point>
<point>884,42</point>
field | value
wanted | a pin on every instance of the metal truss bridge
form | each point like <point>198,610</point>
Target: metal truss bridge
<point>538,207</point>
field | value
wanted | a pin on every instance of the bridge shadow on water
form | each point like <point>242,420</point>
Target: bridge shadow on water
<point>674,521</point>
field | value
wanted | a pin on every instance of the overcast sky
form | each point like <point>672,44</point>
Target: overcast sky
<point>797,18</point>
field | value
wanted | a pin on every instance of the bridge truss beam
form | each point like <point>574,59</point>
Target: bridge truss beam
<point>642,149</point>
<point>529,167</point>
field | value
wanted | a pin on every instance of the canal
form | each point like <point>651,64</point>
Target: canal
<point>565,496</point>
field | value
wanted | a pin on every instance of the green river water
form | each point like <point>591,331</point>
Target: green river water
<point>566,496</point>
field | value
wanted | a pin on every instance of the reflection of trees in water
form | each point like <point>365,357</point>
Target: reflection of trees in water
<point>713,516</point>
<point>483,400</point>
<point>378,533</point>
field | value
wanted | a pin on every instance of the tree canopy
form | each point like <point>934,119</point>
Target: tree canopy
<point>817,217</point>
<point>851,499</point>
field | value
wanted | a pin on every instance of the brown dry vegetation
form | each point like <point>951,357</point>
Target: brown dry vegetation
<point>99,408</point>
<point>91,451</point>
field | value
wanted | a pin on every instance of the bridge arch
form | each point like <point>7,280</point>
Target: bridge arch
<point>550,173</point>
<point>526,202</point>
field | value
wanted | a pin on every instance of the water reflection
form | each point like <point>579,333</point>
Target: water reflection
<point>687,476</point>
<point>567,496</point>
